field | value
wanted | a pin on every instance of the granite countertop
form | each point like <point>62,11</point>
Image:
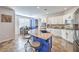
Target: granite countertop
<point>39,34</point>
<point>62,26</point>
<point>65,28</point>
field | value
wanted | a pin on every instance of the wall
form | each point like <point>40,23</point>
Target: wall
<point>7,30</point>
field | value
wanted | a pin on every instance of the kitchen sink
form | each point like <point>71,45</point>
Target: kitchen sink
<point>44,31</point>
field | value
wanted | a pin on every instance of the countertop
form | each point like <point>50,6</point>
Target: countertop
<point>63,26</point>
<point>39,34</point>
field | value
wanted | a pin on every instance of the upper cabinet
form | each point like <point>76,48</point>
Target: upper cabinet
<point>55,20</point>
<point>59,19</point>
<point>68,18</point>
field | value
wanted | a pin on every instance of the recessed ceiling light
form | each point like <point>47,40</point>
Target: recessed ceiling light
<point>65,8</point>
<point>46,12</point>
<point>38,7</point>
<point>45,9</point>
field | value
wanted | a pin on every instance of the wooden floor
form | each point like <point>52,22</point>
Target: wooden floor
<point>61,45</point>
<point>17,45</point>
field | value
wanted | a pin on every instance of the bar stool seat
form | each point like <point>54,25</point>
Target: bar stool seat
<point>35,44</point>
<point>27,36</point>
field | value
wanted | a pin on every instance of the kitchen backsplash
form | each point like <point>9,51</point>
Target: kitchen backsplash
<point>61,26</point>
<point>56,26</point>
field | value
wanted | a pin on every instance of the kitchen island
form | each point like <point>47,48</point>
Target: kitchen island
<point>44,37</point>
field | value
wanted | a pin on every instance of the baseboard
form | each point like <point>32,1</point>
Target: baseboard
<point>7,39</point>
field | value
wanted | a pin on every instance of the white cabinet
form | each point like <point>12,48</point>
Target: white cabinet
<point>48,29</point>
<point>53,31</point>
<point>55,20</point>
<point>59,20</point>
<point>68,35</point>
<point>49,20</point>
<point>56,32</point>
<point>65,34</point>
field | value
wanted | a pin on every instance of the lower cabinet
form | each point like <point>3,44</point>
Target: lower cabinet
<point>56,32</point>
<point>64,33</point>
<point>68,35</point>
<point>64,43</point>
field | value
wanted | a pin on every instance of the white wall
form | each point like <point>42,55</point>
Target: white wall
<point>7,30</point>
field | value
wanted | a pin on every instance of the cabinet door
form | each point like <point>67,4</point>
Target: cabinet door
<point>52,31</point>
<point>49,20</point>
<point>63,34</point>
<point>49,29</point>
<point>55,32</point>
<point>59,32</point>
<point>60,20</point>
<point>69,35</point>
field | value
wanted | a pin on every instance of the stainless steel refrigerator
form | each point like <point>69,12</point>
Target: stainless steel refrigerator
<point>76,31</point>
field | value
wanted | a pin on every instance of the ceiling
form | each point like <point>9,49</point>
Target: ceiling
<point>34,11</point>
